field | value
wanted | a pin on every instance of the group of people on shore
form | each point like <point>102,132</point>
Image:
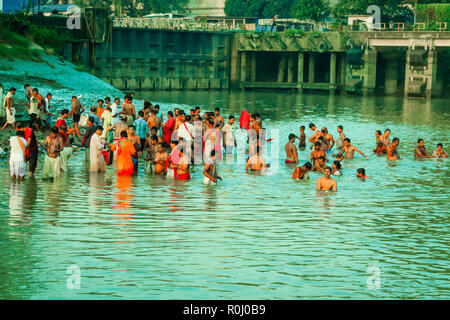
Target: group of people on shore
<point>116,132</point>
<point>323,142</point>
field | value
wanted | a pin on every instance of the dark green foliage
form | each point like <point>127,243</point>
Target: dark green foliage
<point>259,8</point>
<point>311,9</point>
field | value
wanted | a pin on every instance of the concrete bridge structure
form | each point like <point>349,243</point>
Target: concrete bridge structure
<point>413,63</point>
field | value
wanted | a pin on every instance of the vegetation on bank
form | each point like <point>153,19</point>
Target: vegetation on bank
<point>18,36</point>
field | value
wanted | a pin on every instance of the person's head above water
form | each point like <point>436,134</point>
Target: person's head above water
<point>336,164</point>
<point>420,142</point>
<point>327,171</point>
<point>291,137</point>
<point>347,141</point>
<point>312,126</point>
<point>361,173</point>
<point>308,165</point>
<point>340,128</point>
<point>439,146</point>
<point>395,141</point>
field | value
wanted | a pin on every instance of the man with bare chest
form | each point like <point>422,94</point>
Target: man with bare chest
<point>129,110</point>
<point>326,182</point>
<point>53,145</point>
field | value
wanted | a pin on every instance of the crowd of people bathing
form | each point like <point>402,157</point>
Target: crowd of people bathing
<point>115,132</point>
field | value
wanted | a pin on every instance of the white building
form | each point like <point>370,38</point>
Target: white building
<point>206,7</point>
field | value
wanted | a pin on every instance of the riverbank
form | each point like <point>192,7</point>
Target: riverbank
<point>50,73</point>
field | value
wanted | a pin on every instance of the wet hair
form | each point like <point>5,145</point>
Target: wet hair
<point>49,94</point>
<point>291,136</point>
<point>170,113</point>
<point>348,140</point>
<point>131,126</point>
<point>337,164</point>
<point>99,128</point>
<point>216,109</point>
<point>124,134</point>
<point>396,139</point>
<point>327,167</point>
<point>141,113</point>
<point>419,140</point>
<point>74,97</point>
<point>55,130</point>
<point>91,119</point>
<point>197,108</point>
<point>317,144</point>
<point>213,153</point>
<point>361,171</point>
<point>100,100</point>
<point>302,127</point>
<point>324,130</point>
<point>308,165</point>
<point>157,106</point>
<point>230,117</point>
<point>147,104</point>
<point>64,111</point>
<point>439,144</point>
<point>311,125</point>
<point>387,130</point>
<point>378,131</point>
<point>20,133</point>
<point>340,127</point>
<point>35,90</point>
<point>116,99</point>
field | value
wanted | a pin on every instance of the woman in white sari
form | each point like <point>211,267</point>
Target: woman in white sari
<point>97,160</point>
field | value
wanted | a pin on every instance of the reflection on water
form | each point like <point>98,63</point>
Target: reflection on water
<point>250,236</point>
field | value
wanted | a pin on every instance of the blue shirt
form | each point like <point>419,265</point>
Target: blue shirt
<point>141,127</point>
<point>97,121</point>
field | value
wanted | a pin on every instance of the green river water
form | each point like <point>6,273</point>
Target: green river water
<point>251,236</point>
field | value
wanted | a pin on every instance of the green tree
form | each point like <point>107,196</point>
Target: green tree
<point>259,8</point>
<point>311,9</point>
<point>388,7</point>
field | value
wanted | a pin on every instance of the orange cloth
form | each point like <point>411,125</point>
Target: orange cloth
<point>100,112</point>
<point>124,160</point>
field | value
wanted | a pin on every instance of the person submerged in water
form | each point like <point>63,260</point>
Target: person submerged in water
<point>421,151</point>
<point>302,172</point>
<point>439,153</point>
<point>291,150</point>
<point>326,182</point>
<point>349,149</point>
<point>183,166</point>
<point>392,150</point>
<point>256,162</point>
<point>210,170</point>
<point>361,173</point>
<point>336,168</point>
<point>318,157</point>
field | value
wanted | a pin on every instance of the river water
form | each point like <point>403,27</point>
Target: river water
<point>251,236</point>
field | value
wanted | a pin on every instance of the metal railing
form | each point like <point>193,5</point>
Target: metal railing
<point>175,24</point>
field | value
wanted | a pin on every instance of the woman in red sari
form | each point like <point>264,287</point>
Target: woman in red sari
<point>169,126</point>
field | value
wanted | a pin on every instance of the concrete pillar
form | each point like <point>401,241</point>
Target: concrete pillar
<point>431,73</point>
<point>301,64</point>
<point>343,68</point>
<point>253,67</point>
<point>290,69</point>
<point>243,66</point>
<point>370,71</point>
<point>235,63</point>
<point>333,70</point>
<point>390,79</point>
<point>281,68</point>
<point>312,67</point>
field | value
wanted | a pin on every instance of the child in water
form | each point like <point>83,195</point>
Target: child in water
<point>361,173</point>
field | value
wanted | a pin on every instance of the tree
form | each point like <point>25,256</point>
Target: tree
<point>347,7</point>
<point>311,9</point>
<point>259,8</point>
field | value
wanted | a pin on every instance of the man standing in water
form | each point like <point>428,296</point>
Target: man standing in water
<point>76,111</point>
<point>183,166</point>
<point>33,109</point>
<point>97,161</point>
<point>302,138</point>
<point>32,151</point>
<point>340,138</point>
<point>421,151</point>
<point>328,138</point>
<point>129,110</point>
<point>392,150</point>
<point>118,127</point>
<point>64,132</point>
<point>316,134</point>
<point>88,133</point>
<point>349,149</point>
<point>326,182</point>
<point>229,140</point>
<point>291,150</point>
<point>53,145</point>
<point>385,138</point>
